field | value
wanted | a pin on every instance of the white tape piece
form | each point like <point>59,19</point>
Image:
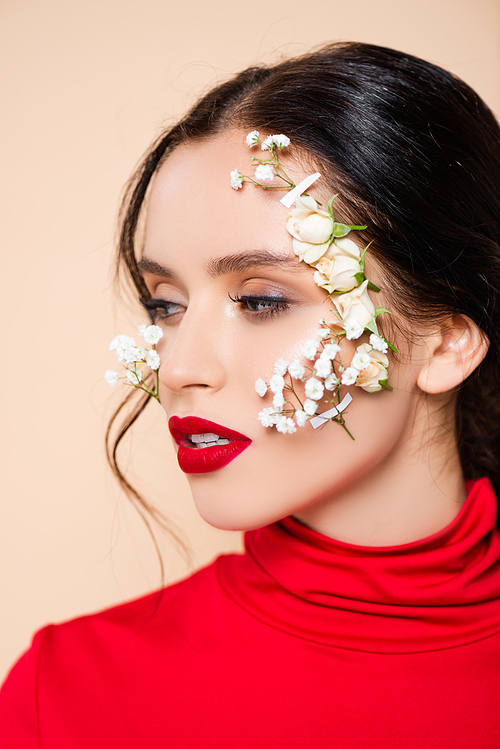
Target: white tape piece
<point>317,421</point>
<point>289,199</point>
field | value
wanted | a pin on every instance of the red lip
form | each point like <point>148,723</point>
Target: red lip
<point>206,459</point>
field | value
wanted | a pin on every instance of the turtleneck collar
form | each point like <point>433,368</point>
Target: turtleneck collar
<point>440,592</point>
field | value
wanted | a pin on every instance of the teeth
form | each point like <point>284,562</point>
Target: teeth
<point>208,439</point>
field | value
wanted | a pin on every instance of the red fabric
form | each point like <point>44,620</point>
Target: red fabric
<point>303,641</point>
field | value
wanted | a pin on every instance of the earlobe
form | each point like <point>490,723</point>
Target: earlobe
<point>454,352</point>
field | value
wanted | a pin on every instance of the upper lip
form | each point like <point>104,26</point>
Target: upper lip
<point>181,427</point>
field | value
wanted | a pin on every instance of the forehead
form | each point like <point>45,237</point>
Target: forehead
<point>192,204</point>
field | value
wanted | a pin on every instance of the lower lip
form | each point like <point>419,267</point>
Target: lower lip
<point>207,459</point>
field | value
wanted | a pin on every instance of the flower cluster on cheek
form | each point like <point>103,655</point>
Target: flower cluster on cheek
<point>131,356</point>
<point>322,243</point>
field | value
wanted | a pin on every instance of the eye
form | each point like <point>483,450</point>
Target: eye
<point>262,307</point>
<point>160,310</point>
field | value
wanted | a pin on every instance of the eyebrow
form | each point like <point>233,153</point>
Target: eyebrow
<point>229,264</point>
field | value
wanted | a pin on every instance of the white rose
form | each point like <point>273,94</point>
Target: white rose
<point>376,371</point>
<point>336,271</point>
<point>355,307</point>
<point>310,228</point>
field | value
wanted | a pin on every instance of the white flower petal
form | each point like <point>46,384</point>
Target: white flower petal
<point>111,377</point>
<point>260,387</point>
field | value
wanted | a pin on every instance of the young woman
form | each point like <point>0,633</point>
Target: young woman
<point>329,371</point>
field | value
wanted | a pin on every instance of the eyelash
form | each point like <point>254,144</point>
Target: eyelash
<point>245,302</point>
<point>153,307</point>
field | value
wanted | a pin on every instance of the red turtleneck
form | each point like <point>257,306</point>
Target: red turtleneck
<point>303,641</point>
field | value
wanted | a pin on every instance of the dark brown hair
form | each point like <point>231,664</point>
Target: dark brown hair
<point>415,154</point>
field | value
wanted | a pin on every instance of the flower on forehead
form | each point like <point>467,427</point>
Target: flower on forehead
<point>275,141</point>
<point>252,138</point>
<point>355,307</point>
<point>264,173</point>
<point>340,267</point>
<point>311,229</point>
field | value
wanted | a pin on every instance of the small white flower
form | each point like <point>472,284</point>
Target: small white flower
<point>267,417</point>
<point>278,401</point>
<point>277,383</point>
<point>350,376</point>
<point>281,367</point>
<point>236,179</point>
<point>123,345</point>
<point>296,370</point>
<point>331,381</point>
<point>134,376</point>
<point>301,417</point>
<point>352,329</point>
<point>323,367</point>
<point>280,141</point>
<point>252,138</point>
<point>285,425</point>
<point>264,173</point>
<point>130,355</point>
<point>140,353</point>
<point>360,360</point>
<point>260,387</point>
<point>310,349</point>
<point>324,332</point>
<point>314,389</point>
<point>378,343</point>
<point>111,377</point>
<point>310,407</point>
<point>153,359</point>
<point>330,351</point>
<point>150,333</point>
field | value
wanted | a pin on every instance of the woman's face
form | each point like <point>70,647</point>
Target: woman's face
<point>214,258</point>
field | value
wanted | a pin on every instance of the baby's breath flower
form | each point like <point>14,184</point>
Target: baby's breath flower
<point>330,351</point>
<point>252,138</point>
<point>122,344</point>
<point>150,333</point>
<point>134,376</point>
<point>360,360</point>
<point>309,349</point>
<point>301,417</point>
<point>285,425</point>
<point>278,401</point>
<point>378,343</point>
<point>111,377</point>
<point>264,173</point>
<point>236,179</point>
<point>267,417</point>
<point>131,355</point>
<point>140,353</point>
<point>281,367</point>
<point>280,141</point>
<point>260,387</point>
<point>352,329</point>
<point>153,359</point>
<point>331,382</point>
<point>310,407</point>
<point>314,389</point>
<point>277,383</point>
<point>324,332</point>
<point>296,370</point>
<point>350,376</point>
<point>323,367</point>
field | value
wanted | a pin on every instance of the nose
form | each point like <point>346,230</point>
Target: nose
<point>192,354</point>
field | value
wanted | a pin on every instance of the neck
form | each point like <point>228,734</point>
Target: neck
<point>415,492</point>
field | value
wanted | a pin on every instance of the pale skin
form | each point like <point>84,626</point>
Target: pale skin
<point>400,480</point>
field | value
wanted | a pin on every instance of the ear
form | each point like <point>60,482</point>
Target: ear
<point>454,352</point>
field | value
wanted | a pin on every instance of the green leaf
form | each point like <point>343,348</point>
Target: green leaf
<point>340,230</point>
<point>384,384</point>
<point>360,277</point>
<point>380,310</point>
<point>391,346</point>
<point>372,285</point>
<point>357,228</point>
<point>372,326</point>
<point>330,206</point>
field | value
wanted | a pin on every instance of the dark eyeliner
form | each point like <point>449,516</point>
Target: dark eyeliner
<point>153,305</point>
<point>245,301</point>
